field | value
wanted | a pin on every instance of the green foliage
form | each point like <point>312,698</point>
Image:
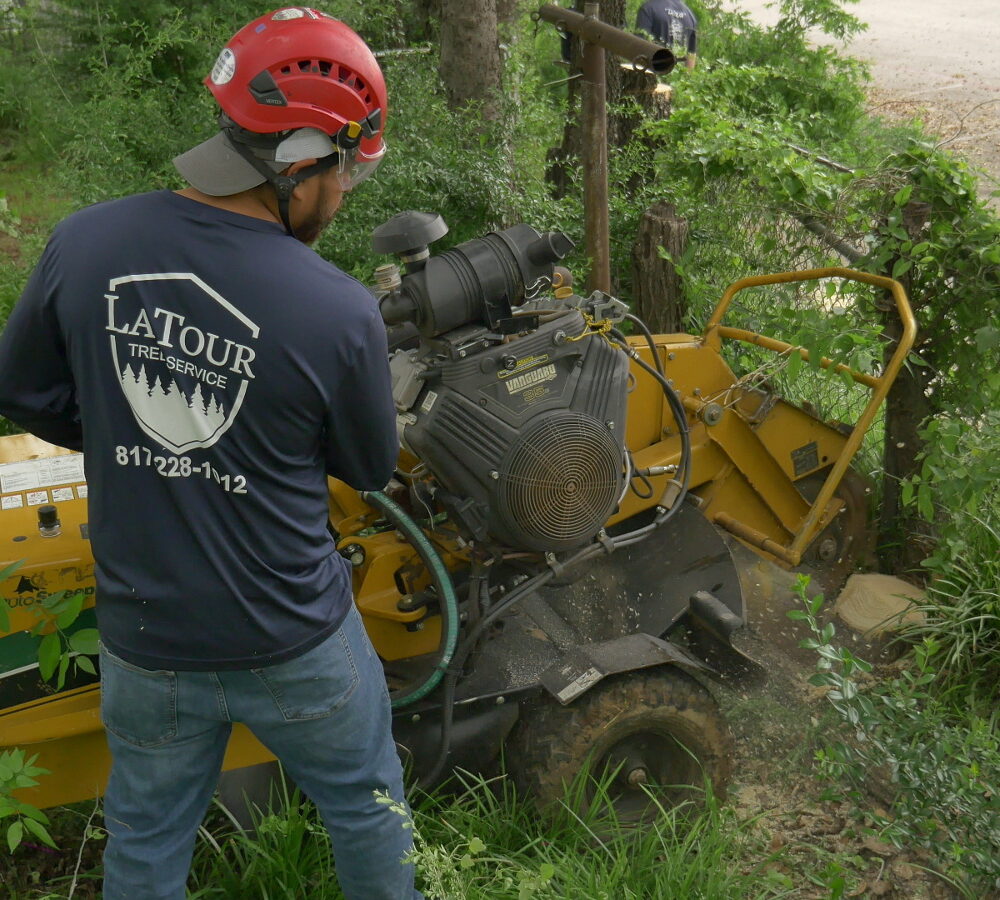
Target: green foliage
<point>19,771</point>
<point>953,267</point>
<point>958,489</point>
<point>829,16</point>
<point>61,647</point>
<point>943,762</point>
<point>289,852</point>
<point>21,820</point>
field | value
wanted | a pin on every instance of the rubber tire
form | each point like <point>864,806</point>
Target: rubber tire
<point>553,745</point>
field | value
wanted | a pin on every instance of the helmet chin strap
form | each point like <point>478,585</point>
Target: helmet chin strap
<point>284,185</point>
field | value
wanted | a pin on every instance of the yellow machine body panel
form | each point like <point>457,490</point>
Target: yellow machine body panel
<point>65,732</point>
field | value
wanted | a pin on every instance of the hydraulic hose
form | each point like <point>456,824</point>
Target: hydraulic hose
<point>648,335</point>
<point>445,588</point>
<point>680,416</point>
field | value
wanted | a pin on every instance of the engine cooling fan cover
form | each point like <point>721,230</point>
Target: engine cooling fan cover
<point>559,482</point>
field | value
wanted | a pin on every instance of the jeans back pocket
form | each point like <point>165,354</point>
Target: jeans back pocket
<point>137,705</point>
<point>313,685</point>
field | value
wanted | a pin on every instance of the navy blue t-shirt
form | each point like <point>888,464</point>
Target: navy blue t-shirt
<point>220,370</point>
<point>671,23</point>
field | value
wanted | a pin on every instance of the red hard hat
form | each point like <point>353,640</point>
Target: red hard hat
<point>300,68</point>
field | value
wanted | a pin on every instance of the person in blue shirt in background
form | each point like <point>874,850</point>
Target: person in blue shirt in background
<point>671,23</point>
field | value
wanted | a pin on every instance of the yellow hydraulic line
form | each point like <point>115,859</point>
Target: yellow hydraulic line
<point>880,385</point>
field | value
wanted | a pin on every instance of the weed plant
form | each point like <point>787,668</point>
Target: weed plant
<point>943,762</point>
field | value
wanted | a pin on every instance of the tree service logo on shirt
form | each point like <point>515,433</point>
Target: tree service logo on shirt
<point>183,356</point>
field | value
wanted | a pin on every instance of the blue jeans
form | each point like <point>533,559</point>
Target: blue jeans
<point>325,715</point>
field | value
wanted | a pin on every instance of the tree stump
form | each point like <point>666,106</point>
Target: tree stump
<point>652,98</point>
<point>658,294</point>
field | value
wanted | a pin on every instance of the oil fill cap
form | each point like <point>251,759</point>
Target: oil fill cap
<point>48,521</point>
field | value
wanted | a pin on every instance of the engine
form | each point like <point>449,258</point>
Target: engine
<point>511,400</point>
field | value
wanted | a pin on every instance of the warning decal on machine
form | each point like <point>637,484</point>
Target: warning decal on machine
<point>36,474</point>
<point>805,458</point>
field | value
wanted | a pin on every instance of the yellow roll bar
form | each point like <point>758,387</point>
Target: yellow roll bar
<point>715,332</point>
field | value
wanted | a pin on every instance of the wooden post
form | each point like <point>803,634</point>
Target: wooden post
<point>595,161</point>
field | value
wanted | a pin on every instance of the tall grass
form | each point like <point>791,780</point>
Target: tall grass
<point>962,612</point>
<point>478,841</point>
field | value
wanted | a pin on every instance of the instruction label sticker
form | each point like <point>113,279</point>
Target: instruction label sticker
<point>579,684</point>
<point>805,458</point>
<point>529,362</point>
<point>428,403</point>
<point>15,501</point>
<point>61,494</point>
<point>37,498</point>
<point>35,474</point>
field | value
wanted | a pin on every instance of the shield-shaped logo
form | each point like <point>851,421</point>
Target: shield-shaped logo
<point>183,354</point>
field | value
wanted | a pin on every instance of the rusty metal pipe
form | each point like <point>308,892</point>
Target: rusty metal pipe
<point>641,53</point>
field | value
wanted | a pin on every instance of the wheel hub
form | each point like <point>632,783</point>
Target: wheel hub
<point>637,776</point>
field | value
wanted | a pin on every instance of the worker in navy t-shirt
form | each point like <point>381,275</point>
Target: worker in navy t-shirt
<point>671,23</point>
<point>215,370</point>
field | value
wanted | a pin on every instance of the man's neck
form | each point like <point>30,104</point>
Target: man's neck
<point>246,203</point>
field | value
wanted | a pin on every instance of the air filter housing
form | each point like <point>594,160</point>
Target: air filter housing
<point>531,432</point>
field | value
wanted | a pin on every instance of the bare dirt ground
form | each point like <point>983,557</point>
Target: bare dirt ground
<point>778,726</point>
<point>934,61</point>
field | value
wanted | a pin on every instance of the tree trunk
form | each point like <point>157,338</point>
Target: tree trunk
<point>658,294</point>
<point>470,55</point>
<point>904,537</point>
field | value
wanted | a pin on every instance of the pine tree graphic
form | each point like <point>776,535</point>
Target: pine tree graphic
<point>167,411</point>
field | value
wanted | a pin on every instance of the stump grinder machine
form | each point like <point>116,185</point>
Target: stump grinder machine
<point>548,576</point>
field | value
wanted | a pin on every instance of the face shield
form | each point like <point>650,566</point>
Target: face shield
<point>356,165</point>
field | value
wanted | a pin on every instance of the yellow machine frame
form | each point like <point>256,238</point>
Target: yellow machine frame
<point>743,477</point>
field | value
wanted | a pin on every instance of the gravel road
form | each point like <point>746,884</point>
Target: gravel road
<point>935,61</point>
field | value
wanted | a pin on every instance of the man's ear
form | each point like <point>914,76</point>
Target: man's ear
<point>300,165</point>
